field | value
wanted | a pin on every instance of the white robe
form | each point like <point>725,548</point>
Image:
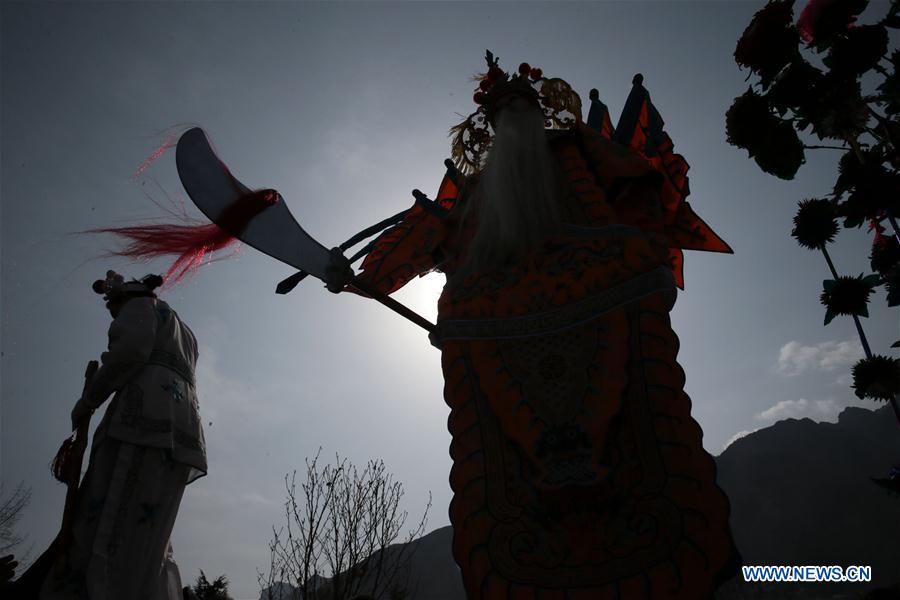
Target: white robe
<point>147,448</point>
<point>150,365</point>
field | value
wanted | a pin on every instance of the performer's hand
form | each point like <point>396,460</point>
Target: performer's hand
<point>79,412</point>
<point>339,273</point>
<point>435,338</point>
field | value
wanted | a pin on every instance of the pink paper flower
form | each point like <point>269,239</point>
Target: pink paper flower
<point>821,20</point>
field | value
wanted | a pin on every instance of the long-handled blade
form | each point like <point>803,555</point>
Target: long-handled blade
<point>273,230</point>
<point>213,188</point>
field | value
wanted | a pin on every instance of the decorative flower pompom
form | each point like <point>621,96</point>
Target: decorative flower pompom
<point>770,41</point>
<point>479,98</point>
<point>876,193</point>
<point>885,254</point>
<point>891,281</point>
<point>877,378</point>
<point>108,285</point>
<point>836,109</point>
<point>815,223</point>
<point>746,120</point>
<point>792,88</point>
<point>485,84</point>
<point>858,50</point>
<point>847,296</point>
<point>782,153</point>
<point>771,142</point>
<point>822,20</point>
<point>889,89</point>
<point>536,74</point>
<point>850,171</point>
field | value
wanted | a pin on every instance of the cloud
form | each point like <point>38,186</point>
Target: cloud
<point>795,358</point>
<point>736,437</point>
<point>817,410</point>
<point>846,379</point>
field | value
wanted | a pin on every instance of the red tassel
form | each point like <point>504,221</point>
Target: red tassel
<point>169,142</point>
<point>62,461</point>
<point>190,242</point>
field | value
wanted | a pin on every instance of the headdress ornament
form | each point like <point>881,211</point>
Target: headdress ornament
<point>472,138</point>
<point>114,286</point>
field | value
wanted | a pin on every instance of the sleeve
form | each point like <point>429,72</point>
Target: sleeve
<point>412,247</point>
<point>131,339</point>
<point>407,250</point>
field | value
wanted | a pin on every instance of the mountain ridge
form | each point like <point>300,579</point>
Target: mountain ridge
<point>800,494</point>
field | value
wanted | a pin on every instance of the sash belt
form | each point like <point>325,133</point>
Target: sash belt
<point>563,317</point>
<point>172,362</point>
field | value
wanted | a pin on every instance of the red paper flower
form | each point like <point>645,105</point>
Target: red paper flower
<point>822,20</point>
<point>885,254</point>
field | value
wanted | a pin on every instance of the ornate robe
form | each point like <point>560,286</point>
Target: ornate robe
<point>150,367</point>
<point>578,471</point>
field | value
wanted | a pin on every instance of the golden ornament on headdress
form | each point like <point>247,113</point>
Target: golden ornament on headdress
<point>471,139</point>
<point>559,98</point>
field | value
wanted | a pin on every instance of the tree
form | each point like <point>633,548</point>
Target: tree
<point>217,590</point>
<point>10,512</point>
<point>335,545</point>
<point>794,95</point>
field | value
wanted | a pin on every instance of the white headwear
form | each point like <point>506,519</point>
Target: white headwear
<point>115,286</point>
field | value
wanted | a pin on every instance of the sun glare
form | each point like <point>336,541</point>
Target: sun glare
<point>422,294</point>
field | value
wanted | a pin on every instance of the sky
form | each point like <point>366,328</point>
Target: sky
<point>345,108</point>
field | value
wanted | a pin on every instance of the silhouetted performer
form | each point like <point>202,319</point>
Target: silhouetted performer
<point>147,448</point>
<point>578,471</point>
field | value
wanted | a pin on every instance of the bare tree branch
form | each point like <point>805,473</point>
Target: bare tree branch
<point>11,509</point>
<point>336,542</point>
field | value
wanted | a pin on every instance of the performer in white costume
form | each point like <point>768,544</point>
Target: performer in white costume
<point>147,448</point>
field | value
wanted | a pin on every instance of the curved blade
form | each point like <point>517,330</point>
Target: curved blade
<point>213,188</point>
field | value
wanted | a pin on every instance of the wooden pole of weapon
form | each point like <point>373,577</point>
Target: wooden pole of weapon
<point>74,471</point>
<point>375,294</point>
<point>28,585</point>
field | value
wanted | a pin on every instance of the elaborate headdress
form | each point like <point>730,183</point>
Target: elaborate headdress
<point>115,286</point>
<point>559,103</point>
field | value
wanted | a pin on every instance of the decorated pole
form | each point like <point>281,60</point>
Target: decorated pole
<point>72,473</point>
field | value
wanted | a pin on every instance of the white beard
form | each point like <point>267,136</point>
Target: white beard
<point>517,201</point>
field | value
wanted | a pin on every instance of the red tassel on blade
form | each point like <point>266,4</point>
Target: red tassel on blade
<point>169,142</point>
<point>191,243</point>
